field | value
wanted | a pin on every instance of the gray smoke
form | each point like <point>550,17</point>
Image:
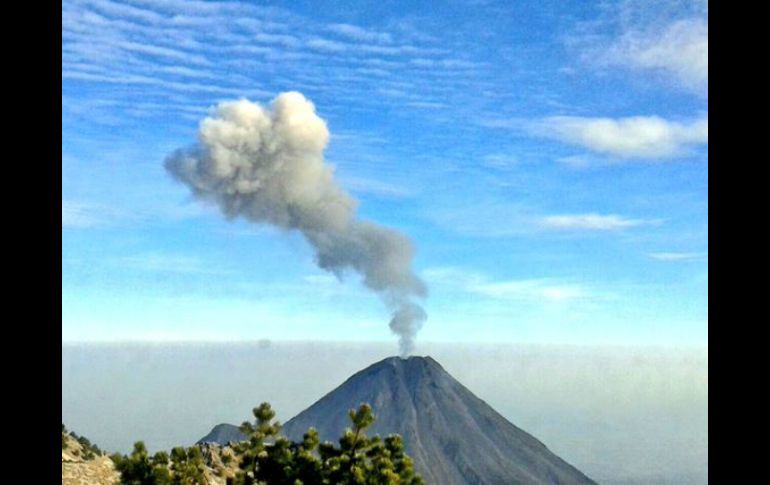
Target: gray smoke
<point>267,165</point>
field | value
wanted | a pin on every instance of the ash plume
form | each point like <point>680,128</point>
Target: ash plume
<point>266,164</point>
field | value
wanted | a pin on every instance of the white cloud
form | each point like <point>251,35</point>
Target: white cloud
<point>590,222</point>
<point>363,185</point>
<point>646,137</point>
<point>282,39</point>
<point>392,93</point>
<point>666,39</point>
<point>326,45</point>
<point>680,50</point>
<point>491,219</point>
<point>431,105</point>
<point>683,257</point>
<point>79,215</point>
<point>359,34</point>
<point>499,161</point>
<point>336,47</point>
<point>169,263</point>
<point>538,289</point>
<point>321,279</point>
<point>528,289</point>
<point>175,48</point>
<point>574,161</point>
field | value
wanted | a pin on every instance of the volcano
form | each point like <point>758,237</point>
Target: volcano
<point>454,437</point>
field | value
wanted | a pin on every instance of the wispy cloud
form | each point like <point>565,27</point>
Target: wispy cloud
<point>326,45</point>
<point>362,185</point>
<point>542,290</point>
<point>321,279</point>
<point>154,262</point>
<point>205,51</point>
<point>680,50</point>
<point>666,39</point>
<point>501,220</point>
<point>426,105</point>
<point>679,257</point>
<point>80,215</point>
<point>637,137</point>
<point>357,33</point>
<point>590,222</point>
<point>575,161</point>
<point>500,161</point>
<point>545,289</point>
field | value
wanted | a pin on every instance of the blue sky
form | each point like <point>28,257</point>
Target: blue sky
<point>548,159</point>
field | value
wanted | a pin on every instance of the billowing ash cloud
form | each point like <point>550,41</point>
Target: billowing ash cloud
<point>267,165</point>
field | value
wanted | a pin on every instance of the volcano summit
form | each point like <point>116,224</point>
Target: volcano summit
<point>454,437</point>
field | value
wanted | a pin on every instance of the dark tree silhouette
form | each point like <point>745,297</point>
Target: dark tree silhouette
<point>271,459</point>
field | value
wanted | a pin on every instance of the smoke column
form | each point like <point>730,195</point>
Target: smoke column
<point>267,165</point>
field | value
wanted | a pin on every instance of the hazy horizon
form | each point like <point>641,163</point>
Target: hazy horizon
<point>621,414</point>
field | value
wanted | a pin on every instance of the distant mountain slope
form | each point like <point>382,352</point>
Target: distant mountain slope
<point>223,434</point>
<point>454,437</point>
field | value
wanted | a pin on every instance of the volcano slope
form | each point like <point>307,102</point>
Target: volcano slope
<point>454,437</point>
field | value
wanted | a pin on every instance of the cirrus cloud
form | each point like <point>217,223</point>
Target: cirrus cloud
<point>79,214</point>
<point>684,257</point>
<point>544,290</point>
<point>668,40</point>
<point>590,222</point>
<point>681,50</point>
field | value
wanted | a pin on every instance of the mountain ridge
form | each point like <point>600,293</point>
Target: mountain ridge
<point>223,434</point>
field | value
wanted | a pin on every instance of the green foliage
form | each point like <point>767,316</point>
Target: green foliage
<point>139,468</point>
<point>357,460</point>
<point>226,458</point>
<point>271,459</point>
<point>89,450</point>
<point>184,466</point>
<point>64,434</point>
<point>187,466</point>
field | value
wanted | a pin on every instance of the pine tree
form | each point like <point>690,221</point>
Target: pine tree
<point>140,469</point>
<point>268,458</point>
<point>187,466</point>
<point>358,459</point>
